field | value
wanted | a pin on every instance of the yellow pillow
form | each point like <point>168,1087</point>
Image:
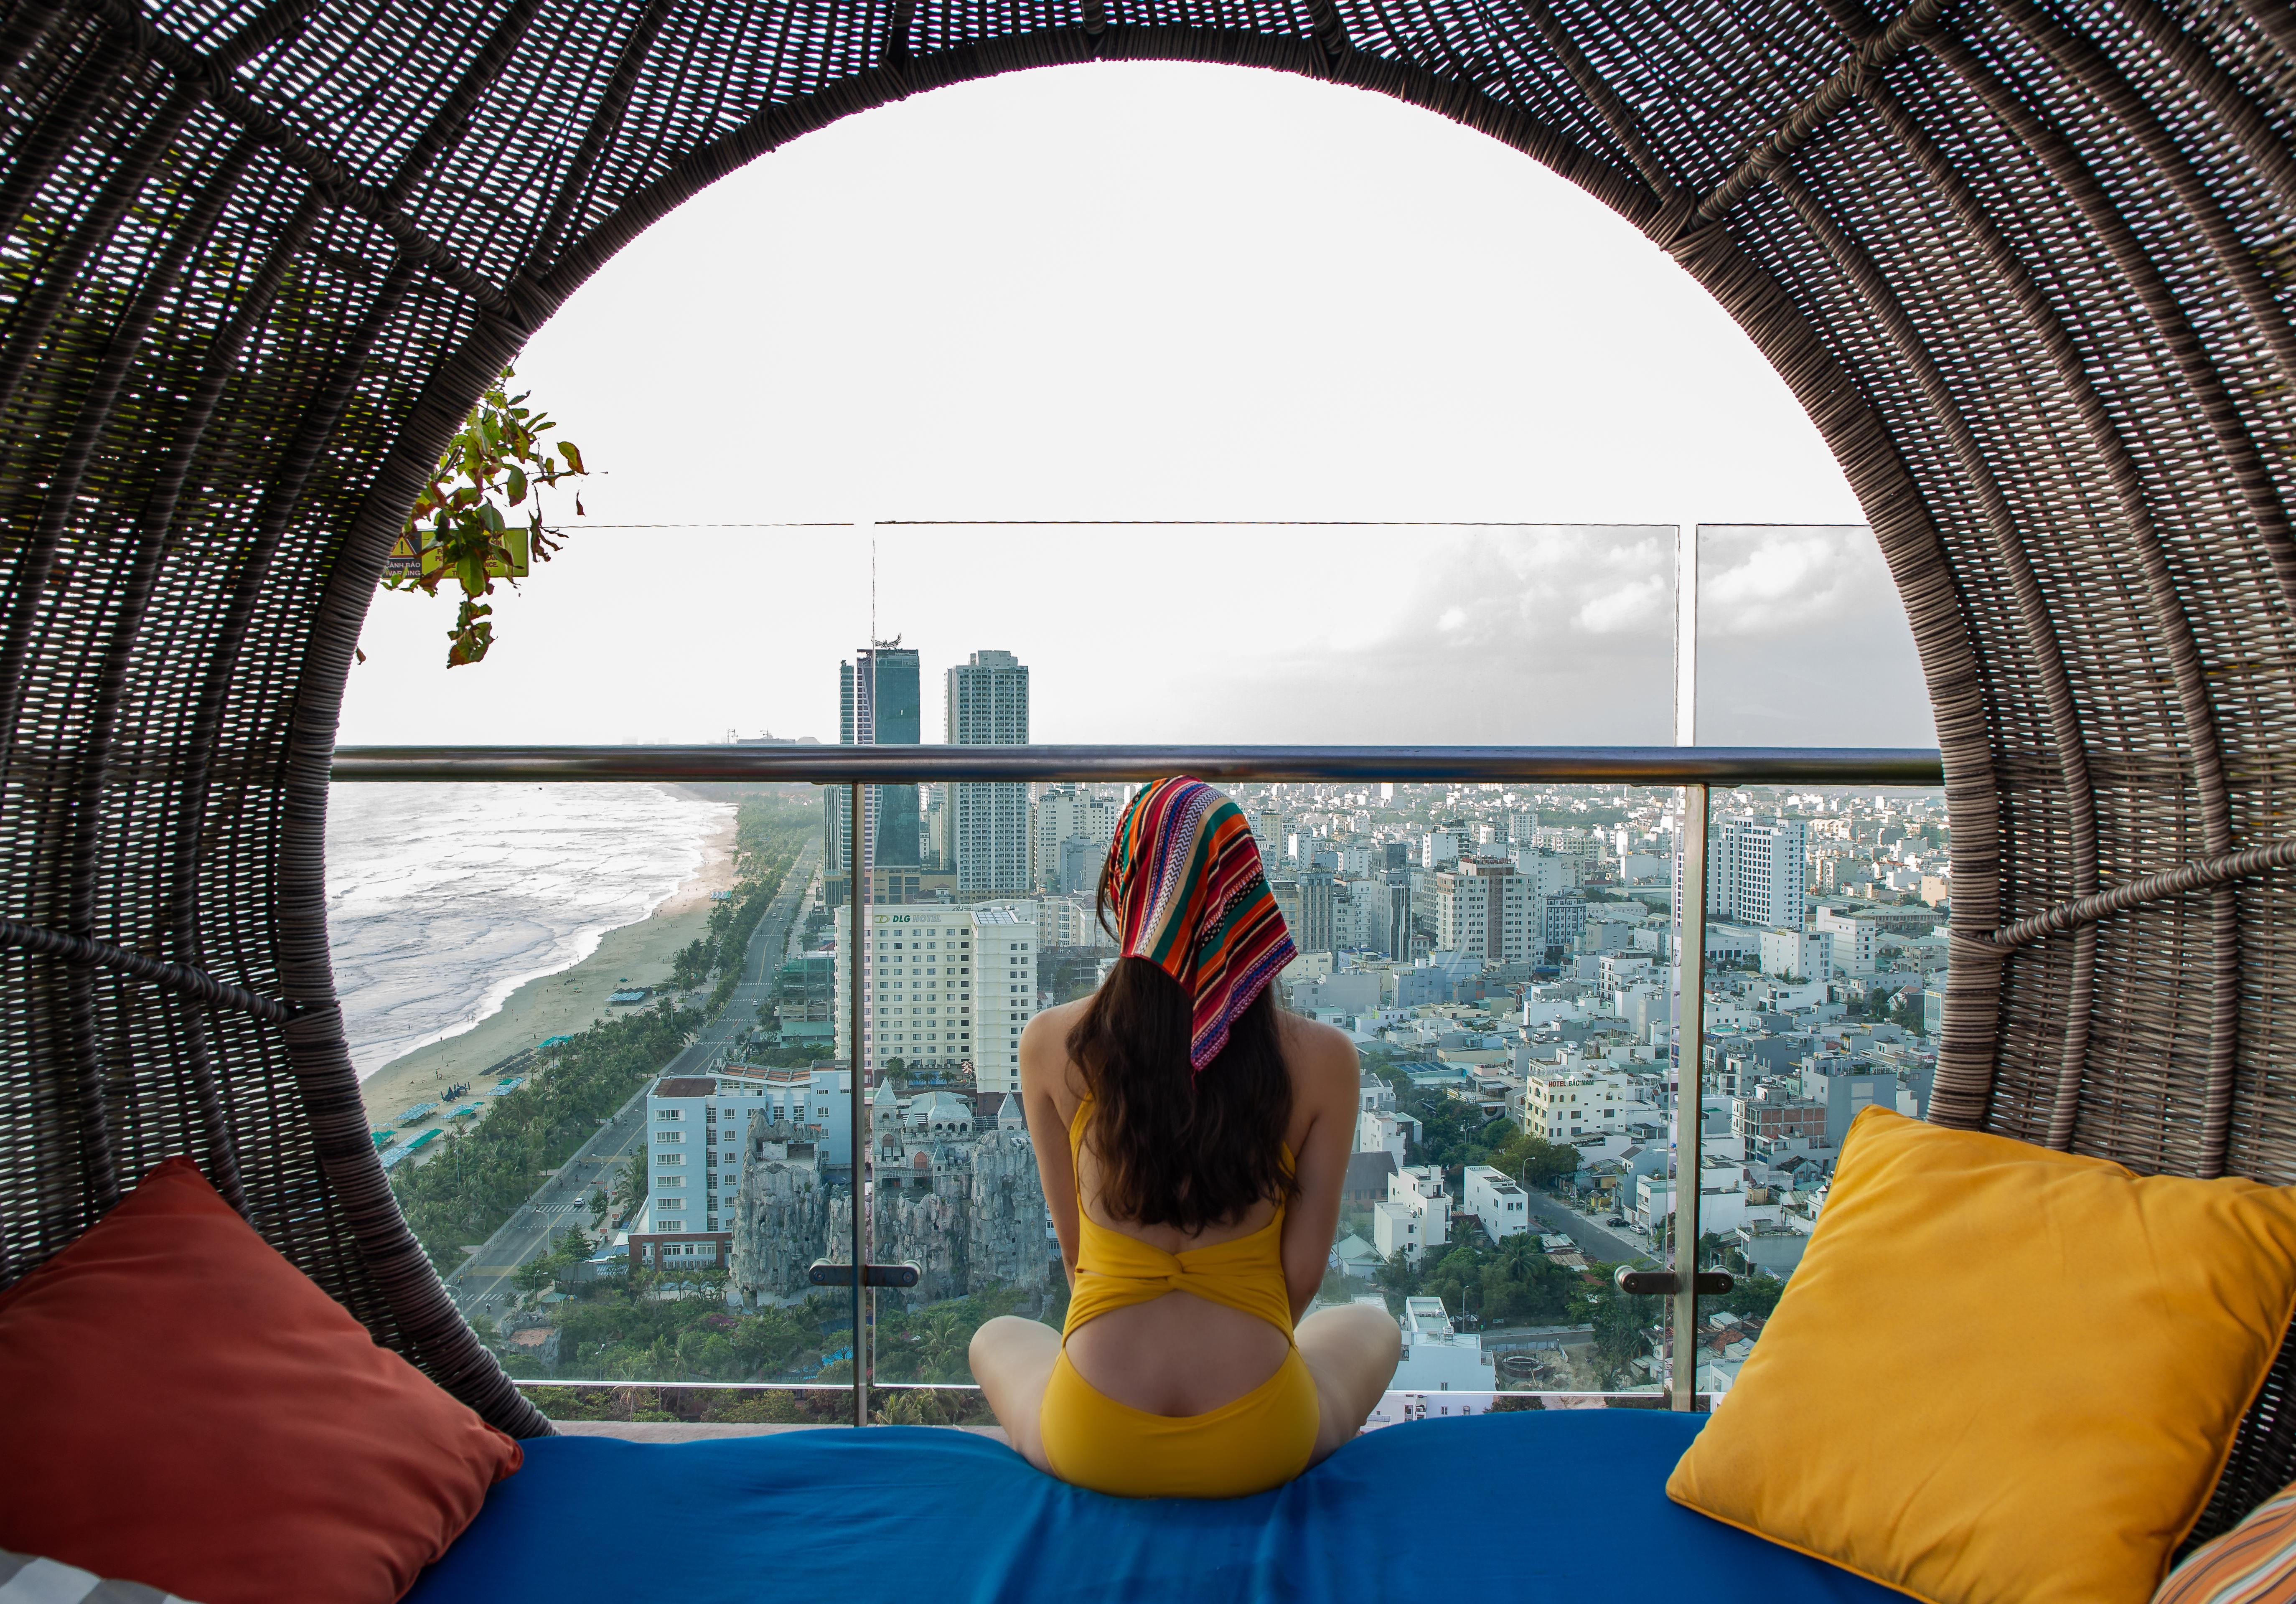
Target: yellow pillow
<point>2001,1373</point>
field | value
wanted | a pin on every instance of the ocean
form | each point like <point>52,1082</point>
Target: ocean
<point>443,899</point>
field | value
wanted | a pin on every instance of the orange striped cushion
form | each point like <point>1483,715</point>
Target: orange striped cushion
<point>2254,1563</point>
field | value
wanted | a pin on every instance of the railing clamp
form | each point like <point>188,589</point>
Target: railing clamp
<point>836,1272</point>
<point>1664,1283</point>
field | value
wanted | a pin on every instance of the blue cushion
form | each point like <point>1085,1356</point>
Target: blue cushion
<point>1560,1505</point>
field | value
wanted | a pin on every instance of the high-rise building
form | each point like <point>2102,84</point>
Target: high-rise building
<point>1063,813</point>
<point>1313,934</point>
<point>1760,873</point>
<point>989,822</point>
<point>947,986</point>
<point>877,704</point>
<point>694,1124</point>
<point>1487,911</point>
<point>1081,861</point>
<point>1562,917</point>
<point>1551,871</point>
<point>1285,890</point>
<point>935,840</point>
<point>1395,938</point>
<point>1268,831</point>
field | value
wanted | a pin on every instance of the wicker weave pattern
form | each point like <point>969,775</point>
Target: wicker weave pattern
<point>2025,263</point>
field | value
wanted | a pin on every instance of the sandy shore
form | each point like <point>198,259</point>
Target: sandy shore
<point>559,1004</point>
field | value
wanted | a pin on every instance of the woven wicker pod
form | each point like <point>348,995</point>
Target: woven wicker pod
<point>2026,267</point>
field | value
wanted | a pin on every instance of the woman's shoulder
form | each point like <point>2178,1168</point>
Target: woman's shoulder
<point>1054,1023</point>
<point>1322,1059</point>
<point>1045,1043</point>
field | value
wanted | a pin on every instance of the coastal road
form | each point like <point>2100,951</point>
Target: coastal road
<point>484,1287</point>
<point>759,964</point>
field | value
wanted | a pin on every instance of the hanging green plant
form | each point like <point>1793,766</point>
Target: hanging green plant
<point>465,527</point>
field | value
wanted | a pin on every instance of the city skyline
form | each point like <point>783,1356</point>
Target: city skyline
<point>1525,634</point>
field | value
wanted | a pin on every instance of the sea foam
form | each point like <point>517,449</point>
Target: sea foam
<point>443,899</point>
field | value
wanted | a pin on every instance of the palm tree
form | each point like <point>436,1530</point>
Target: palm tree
<point>630,1185</point>
<point>943,1340</point>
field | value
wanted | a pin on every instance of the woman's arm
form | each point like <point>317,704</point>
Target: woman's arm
<point>1326,1078</point>
<point>1044,1067</point>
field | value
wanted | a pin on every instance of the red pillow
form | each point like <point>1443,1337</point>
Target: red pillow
<point>181,1406</point>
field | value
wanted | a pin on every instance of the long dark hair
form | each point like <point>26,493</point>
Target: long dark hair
<point>1188,1150</point>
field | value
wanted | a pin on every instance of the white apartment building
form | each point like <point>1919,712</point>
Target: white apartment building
<point>1413,1216</point>
<point>1269,834</point>
<point>945,985</point>
<point>1373,915</point>
<point>1487,911</point>
<point>1355,926</point>
<point>1493,1197</point>
<point>1071,921</point>
<point>1553,872</point>
<point>1068,813</point>
<point>1437,1357</point>
<point>1615,972</point>
<point>1387,1129</point>
<point>1857,941</point>
<point>1760,873</point>
<point>988,823</point>
<point>1438,848</point>
<point>1804,954</point>
<point>1559,1107</point>
<point>695,1127</point>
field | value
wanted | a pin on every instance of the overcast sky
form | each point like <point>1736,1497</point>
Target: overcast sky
<point>1146,291</point>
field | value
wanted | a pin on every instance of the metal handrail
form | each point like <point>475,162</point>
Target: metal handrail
<point>1892,766</point>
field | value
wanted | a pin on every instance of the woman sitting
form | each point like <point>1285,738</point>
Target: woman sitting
<point>1191,1138</point>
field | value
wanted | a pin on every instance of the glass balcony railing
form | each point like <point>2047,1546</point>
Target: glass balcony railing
<point>672,1191</point>
<point>1521,1136</point>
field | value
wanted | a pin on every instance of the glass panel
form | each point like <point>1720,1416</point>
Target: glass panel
<point>535,1152</point>
<point>1408,635</point>
<point>1803,641</point>
<point>1510,1103</point>
<point>1826,908</point>
<point>1519,1105</point>
<point>1806,1028</point>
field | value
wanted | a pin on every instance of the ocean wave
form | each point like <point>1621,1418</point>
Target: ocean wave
<point>443,899</point>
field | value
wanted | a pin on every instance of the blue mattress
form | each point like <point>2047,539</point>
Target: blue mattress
<point>1567,1505</point>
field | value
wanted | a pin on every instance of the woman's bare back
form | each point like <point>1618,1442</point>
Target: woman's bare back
<point>1179,1354</point>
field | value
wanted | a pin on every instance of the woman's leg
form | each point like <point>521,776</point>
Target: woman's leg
<point>1351,1351</point>
<point>1012,1359</point>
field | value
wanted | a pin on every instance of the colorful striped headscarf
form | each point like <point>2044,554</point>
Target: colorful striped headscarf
<point>1191,898</point>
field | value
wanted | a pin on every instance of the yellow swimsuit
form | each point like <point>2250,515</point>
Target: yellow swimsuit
<point>1247,1445</point>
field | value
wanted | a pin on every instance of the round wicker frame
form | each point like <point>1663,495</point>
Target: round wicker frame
<point>2025,263</point>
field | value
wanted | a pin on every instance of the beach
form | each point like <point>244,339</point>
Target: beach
<point>568,998</point>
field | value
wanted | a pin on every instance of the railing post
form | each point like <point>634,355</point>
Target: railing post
<point>858,1144</point>
<point>1689,1107</point>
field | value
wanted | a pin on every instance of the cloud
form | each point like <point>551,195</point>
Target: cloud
<point>1802,641</point>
